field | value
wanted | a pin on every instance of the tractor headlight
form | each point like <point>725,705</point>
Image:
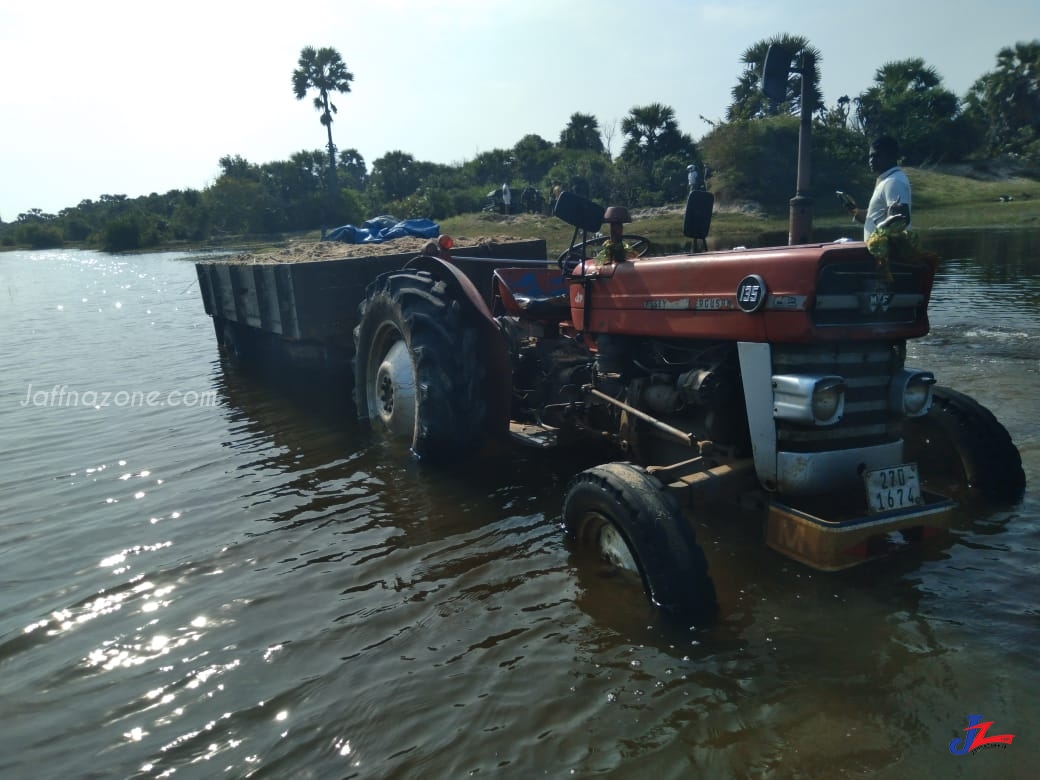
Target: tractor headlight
<point>811,400</point>
<point>828,400</point>
<point>910,393</point>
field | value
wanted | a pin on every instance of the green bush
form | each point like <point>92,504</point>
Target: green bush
<point>39,236</point>
<point>351,210</point>
<point>757,161</point>
<point>467,201</point>
<point>121,235</point>
<point>76,228</point>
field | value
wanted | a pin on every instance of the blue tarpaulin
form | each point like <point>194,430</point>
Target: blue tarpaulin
<point>384,228</point>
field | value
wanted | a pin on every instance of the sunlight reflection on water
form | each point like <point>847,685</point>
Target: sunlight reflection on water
<point>256,586</point>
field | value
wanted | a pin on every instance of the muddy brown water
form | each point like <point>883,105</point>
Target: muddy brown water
<point>235,580</point>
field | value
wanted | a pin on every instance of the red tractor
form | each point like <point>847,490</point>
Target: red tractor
<point>702,377</point>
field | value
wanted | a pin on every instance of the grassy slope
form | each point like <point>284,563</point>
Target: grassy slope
<point>946,200</point>
<point>959,198</point>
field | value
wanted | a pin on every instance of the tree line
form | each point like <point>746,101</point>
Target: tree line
<point>751,153</point>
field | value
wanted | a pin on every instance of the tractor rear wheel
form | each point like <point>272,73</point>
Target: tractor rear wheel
<point>416,375</point>
<point>959,444</point>
<point>623,514</point>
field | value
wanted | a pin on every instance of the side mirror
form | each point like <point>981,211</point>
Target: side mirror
<point>580,212</point>
<point>697,218</point>
<point>774,73</point>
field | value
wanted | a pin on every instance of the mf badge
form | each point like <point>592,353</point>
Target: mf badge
<point>877,300</point>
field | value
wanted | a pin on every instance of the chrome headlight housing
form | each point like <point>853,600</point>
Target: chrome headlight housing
<point>810,400</point>
<point>910,393</point>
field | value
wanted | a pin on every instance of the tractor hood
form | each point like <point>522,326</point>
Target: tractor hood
<point>834,291</point>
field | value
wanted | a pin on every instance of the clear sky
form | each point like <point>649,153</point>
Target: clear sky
<point>128,98</point>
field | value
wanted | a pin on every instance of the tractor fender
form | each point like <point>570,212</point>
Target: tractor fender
<point>446,272</point>
<point>493,349</point>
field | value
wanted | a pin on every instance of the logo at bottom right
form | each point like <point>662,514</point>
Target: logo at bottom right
<point>975,737</point>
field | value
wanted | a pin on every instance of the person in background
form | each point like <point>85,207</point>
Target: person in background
<point>691,176</point>
<point>891,190</point>
<point>507,197</point>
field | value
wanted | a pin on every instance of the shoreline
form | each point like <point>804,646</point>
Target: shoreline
<point>944,199</point>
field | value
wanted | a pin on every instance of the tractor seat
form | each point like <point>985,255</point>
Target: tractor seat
<point>536,293</point>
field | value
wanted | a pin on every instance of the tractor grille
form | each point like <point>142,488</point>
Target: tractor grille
<point>867,368</point>
<point>854,293</point>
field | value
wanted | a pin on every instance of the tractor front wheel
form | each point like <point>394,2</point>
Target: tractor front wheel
<point>959,445</point>
<point>625,516</point>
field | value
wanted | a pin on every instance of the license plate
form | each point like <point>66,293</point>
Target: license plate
<point>895,487</point>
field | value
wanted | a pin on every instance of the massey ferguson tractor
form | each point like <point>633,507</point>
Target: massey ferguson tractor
<point>773,377</point>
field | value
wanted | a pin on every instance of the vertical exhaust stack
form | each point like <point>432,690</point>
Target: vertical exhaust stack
<point>775,71</point>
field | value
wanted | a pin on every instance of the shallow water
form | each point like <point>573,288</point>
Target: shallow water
<point>239,581</point>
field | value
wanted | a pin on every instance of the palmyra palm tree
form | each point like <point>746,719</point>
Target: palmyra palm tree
<point>323,69</point>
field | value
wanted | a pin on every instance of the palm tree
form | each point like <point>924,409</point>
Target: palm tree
<point>582,132</point>
<point>748,100</point>
<point>323,69</point>
<point>909,102</point>
<point>652,132</point>
<point>1006,101</point>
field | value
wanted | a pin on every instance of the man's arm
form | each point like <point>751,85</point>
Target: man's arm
<point>901,209</point>
<point>897,198</point>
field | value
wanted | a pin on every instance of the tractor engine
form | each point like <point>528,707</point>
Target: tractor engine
<point>548,371</point>
<point>693,386</point>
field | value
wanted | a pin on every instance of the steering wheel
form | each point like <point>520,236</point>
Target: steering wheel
<point>638,246</point>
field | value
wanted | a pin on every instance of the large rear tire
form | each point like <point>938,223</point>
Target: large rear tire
<point>626,516</point>
<point>416,372</point>
<point>959,444</point>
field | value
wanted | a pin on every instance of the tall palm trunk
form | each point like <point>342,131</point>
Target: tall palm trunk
<point>330,199</point>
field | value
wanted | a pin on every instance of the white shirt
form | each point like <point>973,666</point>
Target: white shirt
<point>892,187</point>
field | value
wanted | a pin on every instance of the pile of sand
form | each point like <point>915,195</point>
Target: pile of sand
<point>309,251</point>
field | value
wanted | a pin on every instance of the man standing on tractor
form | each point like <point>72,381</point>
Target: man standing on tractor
<point>891,191</point>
